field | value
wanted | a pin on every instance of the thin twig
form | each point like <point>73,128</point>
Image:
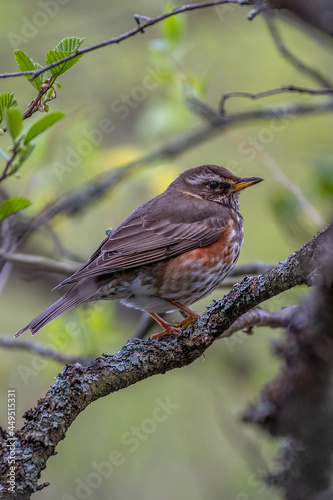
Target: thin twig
<point>291,58</point>
<point>7,172</point>
<point>262,317</point>
<point>252,268</point>
<point>42,350</point>
<point>148,21</point>
<point>39,263</point>
<point>270,92</point>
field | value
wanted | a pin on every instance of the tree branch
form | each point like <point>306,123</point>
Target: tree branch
<point>77,386</point>
<point>270,92</point>
<point>42,350</point>
<point>291,58</point>
<point>148,21</point>
<point>262,317</point>
<point>39,263</point>
<point>317,13</point>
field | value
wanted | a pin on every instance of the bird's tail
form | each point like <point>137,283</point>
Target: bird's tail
<point>74,296</point>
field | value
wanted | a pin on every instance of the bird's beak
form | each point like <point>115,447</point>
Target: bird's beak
<point>246,182</point>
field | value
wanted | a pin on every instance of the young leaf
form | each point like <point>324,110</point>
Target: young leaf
<point>14,120</point>
<point>42,124</point>
<point>66,47</point>
<point>26,64</point>
<point>12,206</point>
<point>69,44</point>
<point>173,27</point>
<point>6,101</point>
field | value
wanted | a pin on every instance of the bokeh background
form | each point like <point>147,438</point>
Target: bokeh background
<point>178,435</point>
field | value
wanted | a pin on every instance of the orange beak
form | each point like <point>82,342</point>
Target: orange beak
<point>246,182</point>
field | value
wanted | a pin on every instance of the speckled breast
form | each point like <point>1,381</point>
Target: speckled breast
<point>195,274</point>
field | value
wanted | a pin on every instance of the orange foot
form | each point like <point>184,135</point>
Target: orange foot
<point>169,330</point>
<point>192,315</point>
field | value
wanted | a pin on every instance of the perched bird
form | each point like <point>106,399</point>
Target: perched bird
<point>170,252</point>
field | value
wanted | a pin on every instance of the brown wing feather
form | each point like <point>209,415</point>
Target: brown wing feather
<point>148,237</point>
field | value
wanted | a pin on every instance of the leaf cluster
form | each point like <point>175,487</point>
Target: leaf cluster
<point>45,84</point>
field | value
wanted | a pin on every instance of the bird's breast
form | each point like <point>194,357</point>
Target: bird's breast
<point>198,272</point>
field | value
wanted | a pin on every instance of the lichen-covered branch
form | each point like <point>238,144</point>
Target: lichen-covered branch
<point>77,386</point>
<point>298,403</point>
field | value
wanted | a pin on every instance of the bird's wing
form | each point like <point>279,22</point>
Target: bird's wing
<point>139,241</point>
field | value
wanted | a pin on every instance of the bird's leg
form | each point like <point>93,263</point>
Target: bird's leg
<point>167,328</point>
<point>192,315</point>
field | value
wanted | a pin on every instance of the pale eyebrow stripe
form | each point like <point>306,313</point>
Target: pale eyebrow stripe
<point>191,194</point>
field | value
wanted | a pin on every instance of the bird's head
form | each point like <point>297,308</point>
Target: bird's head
<point>213,183</point>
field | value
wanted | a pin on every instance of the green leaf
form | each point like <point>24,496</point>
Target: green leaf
<point>173,28</point>
<point>69,44</point>
<point>12,206</point>
<point>6,101</point>
<point>65,48</point>
<point>14,120</point>
<point>26,64</point>
<point>42,124</point>
<point>59,85</point>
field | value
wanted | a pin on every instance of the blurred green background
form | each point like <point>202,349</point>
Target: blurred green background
<point>201,448</point>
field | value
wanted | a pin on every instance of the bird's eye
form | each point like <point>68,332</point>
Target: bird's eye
<point>213,184</point>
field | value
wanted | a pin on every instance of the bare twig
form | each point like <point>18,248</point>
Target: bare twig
<point>148,21</point>
<point>34,105</point>
<point>39,263</point>
<point>262,317</point>
<point>270,92</point>
<point>252,268</point>
<point>42,350</point>
<point>77,386</point>
<point>7,172</point>
<point>292,59</point>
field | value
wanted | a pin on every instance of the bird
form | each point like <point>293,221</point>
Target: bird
<point>172,251</point>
